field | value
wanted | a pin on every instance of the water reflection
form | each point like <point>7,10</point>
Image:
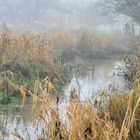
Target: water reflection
<point>16,118</point>
<point>104,77</point>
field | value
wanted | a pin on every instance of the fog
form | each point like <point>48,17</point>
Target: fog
<point>53,15</point>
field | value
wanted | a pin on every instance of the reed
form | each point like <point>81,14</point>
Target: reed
<point>118,119</point>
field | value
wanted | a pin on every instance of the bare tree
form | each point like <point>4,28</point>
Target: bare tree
<point>130,8</point>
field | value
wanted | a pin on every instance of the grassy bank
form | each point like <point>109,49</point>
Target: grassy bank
<point>28,58</point>
<point>25,58</point>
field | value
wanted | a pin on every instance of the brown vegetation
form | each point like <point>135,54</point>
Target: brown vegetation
<point>116,117</point>
<point>26,57</point>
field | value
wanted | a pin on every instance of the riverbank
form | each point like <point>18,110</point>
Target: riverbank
<point>80,104</point>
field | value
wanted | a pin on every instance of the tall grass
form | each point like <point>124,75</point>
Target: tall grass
<point>92,45</point>
<point>25,58</point>
<point>116,117</point>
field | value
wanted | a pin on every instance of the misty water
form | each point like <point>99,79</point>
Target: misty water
<point>88,82</point>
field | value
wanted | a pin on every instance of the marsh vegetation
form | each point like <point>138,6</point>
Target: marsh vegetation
<point>69,95</point>
<point>70,83</point>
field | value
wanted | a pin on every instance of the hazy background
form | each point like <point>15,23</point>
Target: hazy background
<point>53,15</point>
